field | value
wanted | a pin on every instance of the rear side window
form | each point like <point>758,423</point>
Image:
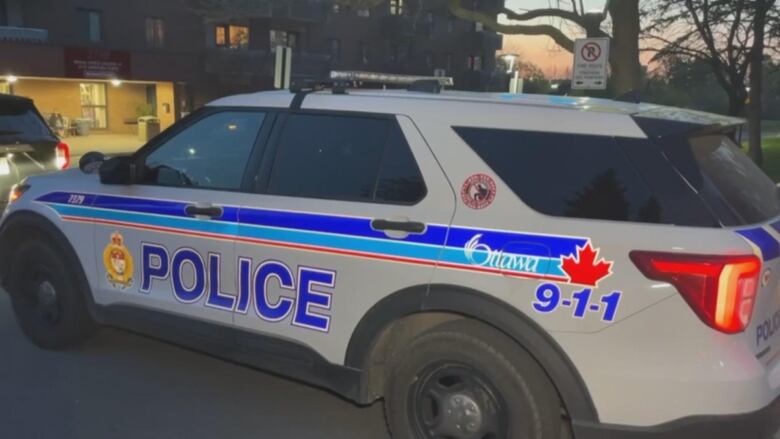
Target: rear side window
<point>594,177</point>
<point>345,158</point>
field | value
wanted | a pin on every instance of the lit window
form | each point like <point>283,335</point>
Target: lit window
<point>396,7</point>
<point>93,104</point>
<point>364,13</point>
<point>155,31</point>
<point>233,36</point>
<point>239,37</point>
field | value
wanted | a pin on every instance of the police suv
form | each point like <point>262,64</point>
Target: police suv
<point>490,265</point>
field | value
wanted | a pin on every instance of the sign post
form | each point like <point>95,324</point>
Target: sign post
<point>591,60</point>
<point>282,72</point>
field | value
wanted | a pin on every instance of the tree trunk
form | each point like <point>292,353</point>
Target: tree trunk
<point>624,52</point>
<point>757,81</point>
<point>736,103</point>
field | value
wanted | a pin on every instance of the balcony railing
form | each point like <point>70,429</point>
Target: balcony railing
<point>23,34</point>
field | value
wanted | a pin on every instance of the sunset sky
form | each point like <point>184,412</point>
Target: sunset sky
<point>542,51</point>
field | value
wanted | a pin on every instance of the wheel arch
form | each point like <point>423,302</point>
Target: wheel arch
<point>442,302</point>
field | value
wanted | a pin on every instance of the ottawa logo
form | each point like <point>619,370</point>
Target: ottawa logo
<point>118,263</point>
<point>478,191</point>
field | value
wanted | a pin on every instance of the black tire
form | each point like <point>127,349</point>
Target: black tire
<point>504,393</point>
<point>48,297</point>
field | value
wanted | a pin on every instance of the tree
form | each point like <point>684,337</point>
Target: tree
<point>717,32</point>
<point>624,53</point>
<point>761,11</point>
<point>729,35</point>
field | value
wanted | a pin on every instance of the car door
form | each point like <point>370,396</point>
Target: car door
<point>167,243</point>
<point>349,209</point>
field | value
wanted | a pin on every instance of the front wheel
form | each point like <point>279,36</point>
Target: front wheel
<point>465,380</point>
<point>47,297</point>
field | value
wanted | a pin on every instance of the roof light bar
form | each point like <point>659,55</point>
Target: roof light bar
<point>388,78</point>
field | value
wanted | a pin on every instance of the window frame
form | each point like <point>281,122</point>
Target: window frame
<point>256,154</point>
<point>228,43</point>
<point>266,164</point>
<point>156,41</point>
<point>88,13</point>
<point>103,107</point>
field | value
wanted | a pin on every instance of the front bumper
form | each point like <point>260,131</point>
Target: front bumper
<point>761,424</point>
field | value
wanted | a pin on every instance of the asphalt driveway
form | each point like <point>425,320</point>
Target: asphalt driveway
<point>121,385</point>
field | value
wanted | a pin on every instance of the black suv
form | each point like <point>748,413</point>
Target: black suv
<point>27,145</point>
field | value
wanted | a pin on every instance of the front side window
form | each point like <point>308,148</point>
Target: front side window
<point>93,104</point>
<point>155,32</point>
<point>345,158</point>
<point>212,153</point>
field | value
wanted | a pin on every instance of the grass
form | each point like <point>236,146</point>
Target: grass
<point>770,126</point>
<point>772,158</point>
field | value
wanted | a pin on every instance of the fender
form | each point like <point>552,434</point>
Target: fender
<point>28,219</point>
<point>489,310</point>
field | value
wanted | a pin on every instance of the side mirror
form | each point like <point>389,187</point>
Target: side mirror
<point>118,170</point>
<point>91,161</point>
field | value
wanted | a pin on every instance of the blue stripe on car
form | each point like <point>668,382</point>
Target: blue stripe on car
<point>331,231</point>
<point>770,248</point>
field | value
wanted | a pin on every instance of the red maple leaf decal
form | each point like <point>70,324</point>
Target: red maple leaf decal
<point>583,269</point>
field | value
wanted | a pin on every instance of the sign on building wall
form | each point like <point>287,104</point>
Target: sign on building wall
<point>96,64</point>
<point>591,59</point>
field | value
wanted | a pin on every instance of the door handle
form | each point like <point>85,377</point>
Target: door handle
<point>398,226</point>
<point>208,211</point>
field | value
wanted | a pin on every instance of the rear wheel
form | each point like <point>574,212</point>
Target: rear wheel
<point>464,380</point>
<point>47,297</point>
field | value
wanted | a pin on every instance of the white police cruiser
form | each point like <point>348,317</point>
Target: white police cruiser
<point>492,266</point>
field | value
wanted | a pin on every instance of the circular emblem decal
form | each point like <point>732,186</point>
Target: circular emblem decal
<point>478,191</point>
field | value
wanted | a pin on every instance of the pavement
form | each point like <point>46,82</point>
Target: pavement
<point>120,385</point>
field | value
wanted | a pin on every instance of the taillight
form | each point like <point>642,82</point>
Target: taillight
<point>62,155</point>
<point>720,289</point>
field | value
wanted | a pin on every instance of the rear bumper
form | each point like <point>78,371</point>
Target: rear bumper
<point>761,424</point>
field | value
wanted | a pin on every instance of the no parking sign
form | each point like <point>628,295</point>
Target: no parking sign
<point>591,58</point>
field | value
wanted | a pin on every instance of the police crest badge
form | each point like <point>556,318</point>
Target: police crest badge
<point>118,262</point>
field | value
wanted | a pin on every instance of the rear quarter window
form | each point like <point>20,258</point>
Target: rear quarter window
<point>592,177</point>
